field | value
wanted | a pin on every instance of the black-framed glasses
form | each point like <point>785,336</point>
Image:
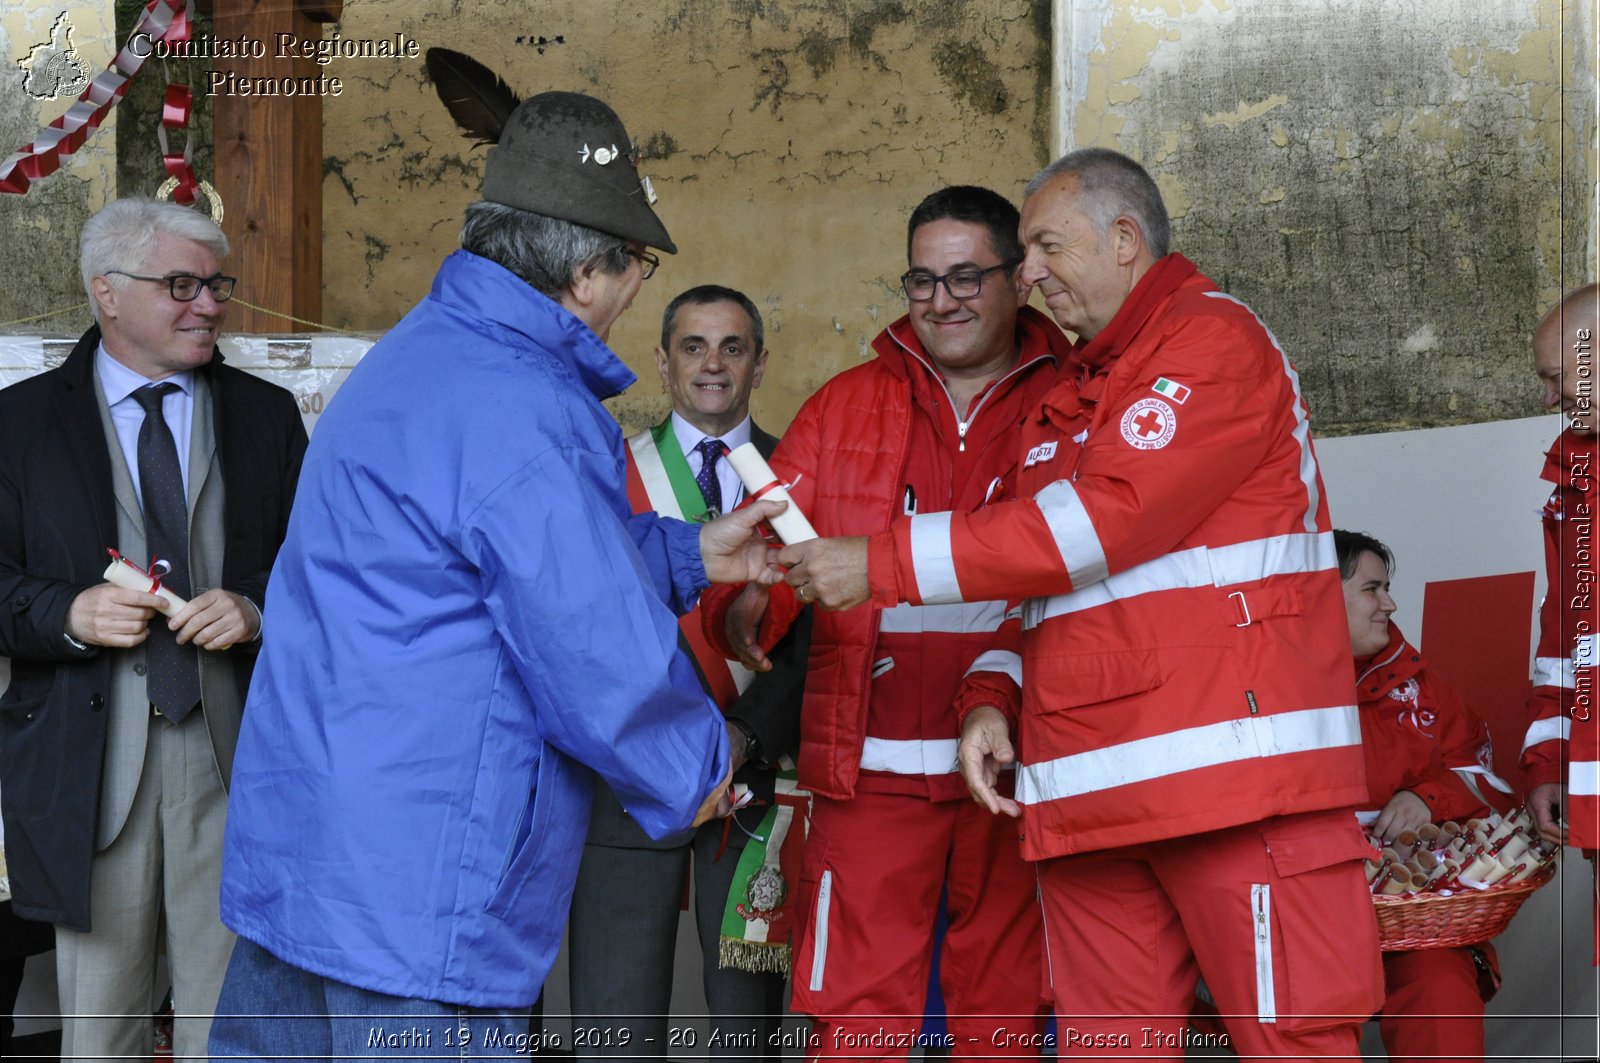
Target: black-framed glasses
<point>649,262</point>
<point>960,283</point>
<point>185,287</point>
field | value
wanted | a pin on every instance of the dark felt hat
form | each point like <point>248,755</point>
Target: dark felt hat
<point>566,155</point>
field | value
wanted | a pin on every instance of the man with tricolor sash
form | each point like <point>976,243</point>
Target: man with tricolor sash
<point>1561,751</point>
<point>624,921</point>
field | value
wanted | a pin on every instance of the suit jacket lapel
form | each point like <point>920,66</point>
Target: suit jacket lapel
<point>79,412</point>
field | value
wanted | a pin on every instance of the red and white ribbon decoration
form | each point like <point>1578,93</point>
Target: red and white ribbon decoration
<point>179,165</point>
<point>163,20</point>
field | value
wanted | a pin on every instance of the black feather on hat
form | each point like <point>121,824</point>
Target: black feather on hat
<point>561,154</point>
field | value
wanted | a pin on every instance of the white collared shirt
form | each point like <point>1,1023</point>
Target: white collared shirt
<point>689,438</point>
<point>127,416</point>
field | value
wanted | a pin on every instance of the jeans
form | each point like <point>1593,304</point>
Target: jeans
<point>271,1010</point>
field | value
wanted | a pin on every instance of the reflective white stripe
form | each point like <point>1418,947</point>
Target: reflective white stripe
<point>910,756</point>
<point>1199,566</point>
<point>1553,672</point>
<point>931,559</point>
<point>819,937</point>
<point>1467,773</point>
<point>958,617</point>
<point>1302,423</point>
<point>999,661</point>
<point>1472,784</point>
<point>1261,914</point>
<point>1073,532</point>
<point>1228,742</point>
<point>1584,651</point>
<point>1583,779</point>
<point>1554,729</point>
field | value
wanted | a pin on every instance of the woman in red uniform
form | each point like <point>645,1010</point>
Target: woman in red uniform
<point>1428,760</point>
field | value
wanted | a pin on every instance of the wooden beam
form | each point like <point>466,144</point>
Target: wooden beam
<point>268,150</point>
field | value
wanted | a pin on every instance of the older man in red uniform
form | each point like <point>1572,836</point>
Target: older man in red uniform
<point>1561,753</point>
<point>1188,726</point>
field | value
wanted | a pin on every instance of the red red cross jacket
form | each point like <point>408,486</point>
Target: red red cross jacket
<point>1184,647</point>
<point>1420,736</point>
<point>864,449</point>
<point>1562,726</point>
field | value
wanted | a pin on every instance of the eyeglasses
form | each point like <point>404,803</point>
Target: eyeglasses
<point>649,262</point>
<point>185,287</point>
<point>960,283</point>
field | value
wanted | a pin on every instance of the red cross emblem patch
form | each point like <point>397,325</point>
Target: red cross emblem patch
<point>1149,424</point>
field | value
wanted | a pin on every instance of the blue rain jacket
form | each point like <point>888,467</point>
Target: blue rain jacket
<point>463,616</point>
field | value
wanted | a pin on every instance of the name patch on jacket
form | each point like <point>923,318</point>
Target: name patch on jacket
<point>1042,452</point>
<point>1149,424</point>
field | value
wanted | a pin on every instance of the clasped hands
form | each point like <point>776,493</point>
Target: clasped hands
<point>108,615</point>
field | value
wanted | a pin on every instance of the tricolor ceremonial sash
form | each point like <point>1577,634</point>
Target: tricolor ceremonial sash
<point>659,479</point>
<point>758,917</point>
<point>758,921</point>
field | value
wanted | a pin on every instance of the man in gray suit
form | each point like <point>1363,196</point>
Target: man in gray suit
<point>117,732</point>
<point>623,927</point>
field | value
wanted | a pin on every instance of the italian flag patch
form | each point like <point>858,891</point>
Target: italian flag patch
<point>1171,389</point>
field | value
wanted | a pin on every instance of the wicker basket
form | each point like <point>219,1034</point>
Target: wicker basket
<point>1466,917</point>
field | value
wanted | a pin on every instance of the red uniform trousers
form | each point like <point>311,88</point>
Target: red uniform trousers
<point>1433,1010</point>
<point>1275,915</point>
<point>870,885</point>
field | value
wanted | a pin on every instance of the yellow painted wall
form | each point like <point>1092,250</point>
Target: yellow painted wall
<point>1400,189</point>
<point>787,142</point>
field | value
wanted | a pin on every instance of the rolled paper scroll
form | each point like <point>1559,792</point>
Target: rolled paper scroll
<point>1444,873</point>
<point>1524,870</point>
<point>129,576</point>
<point>1502,830</point>
<point>761,482</point>
<point>1428,834</point>
<point>1399,880</point>
<point>1479,869</point>
<point>1514,847</point>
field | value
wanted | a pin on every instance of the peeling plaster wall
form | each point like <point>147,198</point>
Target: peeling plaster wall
<point>40,230</point>
<point>788,143</point>
<point>1398,187</point>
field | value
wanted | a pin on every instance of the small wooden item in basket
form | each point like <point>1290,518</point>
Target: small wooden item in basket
<point>1409,921</point>
<point>1451,885</point>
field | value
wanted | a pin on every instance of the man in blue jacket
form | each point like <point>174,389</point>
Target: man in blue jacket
<point>465,619</point>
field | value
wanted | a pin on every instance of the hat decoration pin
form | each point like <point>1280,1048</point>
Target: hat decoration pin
<point>564,155</point>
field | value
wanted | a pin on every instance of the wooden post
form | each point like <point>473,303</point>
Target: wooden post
<point>268,152</point>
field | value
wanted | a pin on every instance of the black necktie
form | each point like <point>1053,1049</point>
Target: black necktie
<point>173,679</point>
<point>710,487</point>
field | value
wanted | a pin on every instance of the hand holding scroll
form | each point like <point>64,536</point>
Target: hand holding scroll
<point>830,572</point>
<point>732,551</point>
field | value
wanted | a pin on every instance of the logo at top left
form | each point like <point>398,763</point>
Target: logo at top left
<point>54,69</point>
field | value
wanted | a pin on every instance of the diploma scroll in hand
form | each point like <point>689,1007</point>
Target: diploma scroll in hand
<point>124,573</point>
<point>761,482</point>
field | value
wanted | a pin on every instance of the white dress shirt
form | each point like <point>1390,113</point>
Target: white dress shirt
<point>119,383</point>
<point>689,438</point>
